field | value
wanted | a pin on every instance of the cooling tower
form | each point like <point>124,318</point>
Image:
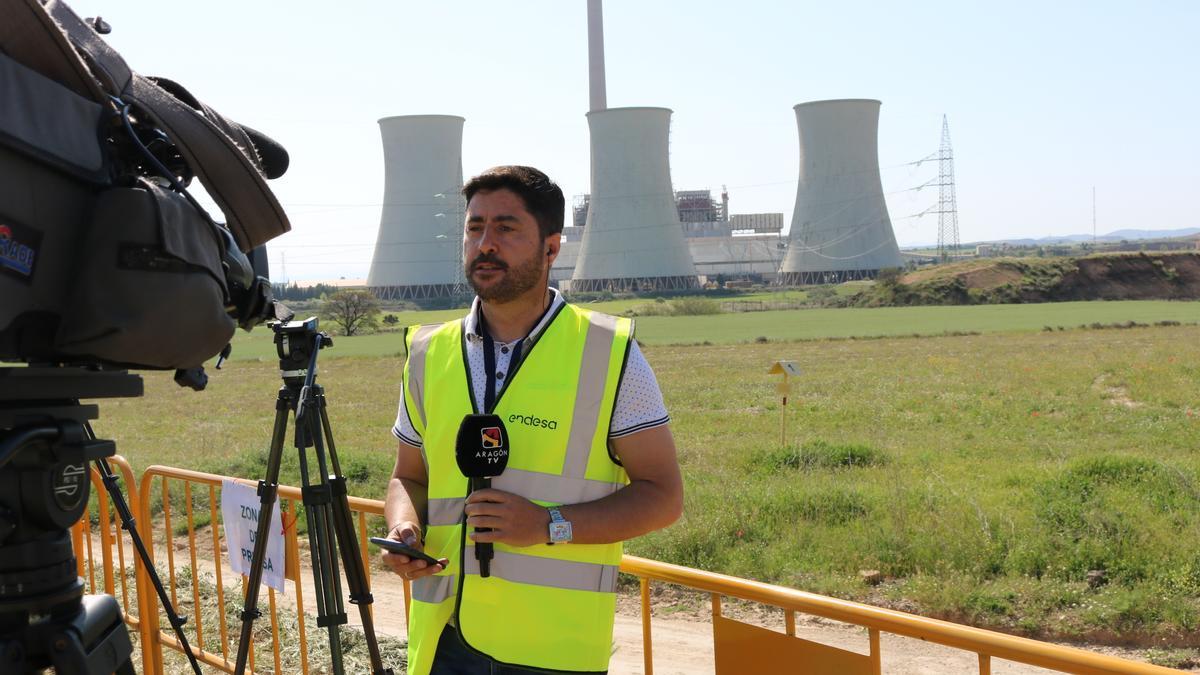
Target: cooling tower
<point>840,226</point>
<point>419,248</point>
<point>632,239</point>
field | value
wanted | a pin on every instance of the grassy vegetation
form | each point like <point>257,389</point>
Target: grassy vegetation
<point>985,475</point>
<point>809,324</point>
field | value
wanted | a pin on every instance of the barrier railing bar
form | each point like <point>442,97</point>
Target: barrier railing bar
<point>91,566</point>
<point>197,617</point>
<point>789,622</point>
<point>292,547</point>
<point>132,500</point>
<point>106,543</point>
<point>169,537</point>
<point>77,546</point>
<point>985,664</point>
<point>207,658</point>
<point>212,516</point>
<point>876,656</point>
<point>250,654</point>
<point>274,628</point>
<point>365,558</point>
<point>647,647</point>
<point>147,597</point>
<point>121,561</point>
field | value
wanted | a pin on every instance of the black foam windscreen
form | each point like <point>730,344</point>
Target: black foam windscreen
<point>274,156</point>
<point>481,448</point>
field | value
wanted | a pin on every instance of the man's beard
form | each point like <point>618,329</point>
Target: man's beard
<point>515,280</point>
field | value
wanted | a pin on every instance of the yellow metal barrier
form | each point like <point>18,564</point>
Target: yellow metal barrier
<point>289,498</point>
<point>738,647</point>
<point>744,648</point>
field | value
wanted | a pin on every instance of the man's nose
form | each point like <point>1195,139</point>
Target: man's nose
<point>487,240</point>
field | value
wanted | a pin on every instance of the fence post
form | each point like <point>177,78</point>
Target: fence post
<point>147,599</point>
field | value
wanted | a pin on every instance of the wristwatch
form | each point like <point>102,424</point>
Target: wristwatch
<point>560,528</point>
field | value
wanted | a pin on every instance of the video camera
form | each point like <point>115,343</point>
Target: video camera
<point>107,262</point>
<point>106,259</point>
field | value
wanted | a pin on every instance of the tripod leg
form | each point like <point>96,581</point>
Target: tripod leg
<point>322,544</point>
<point>127,523</point>
<point>267,491</point>
<point>356,577</point>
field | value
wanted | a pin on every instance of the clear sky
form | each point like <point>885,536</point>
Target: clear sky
<point>1045,99</point>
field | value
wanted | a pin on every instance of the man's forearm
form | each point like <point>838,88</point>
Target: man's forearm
<point>405,502</point>
<point>638,508</point>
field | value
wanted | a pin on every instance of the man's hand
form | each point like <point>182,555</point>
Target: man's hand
<point>409,533</point>
<point>514,520</point>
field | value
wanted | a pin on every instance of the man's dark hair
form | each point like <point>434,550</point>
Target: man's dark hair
<point>542,196</point>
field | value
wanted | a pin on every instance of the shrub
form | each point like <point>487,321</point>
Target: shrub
<point>818,454</point>
<point>694,306</point>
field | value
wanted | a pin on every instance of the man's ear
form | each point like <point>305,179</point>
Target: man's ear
<point>552,246</point>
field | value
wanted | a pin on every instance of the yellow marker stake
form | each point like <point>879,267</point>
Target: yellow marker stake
<point>785,368</point>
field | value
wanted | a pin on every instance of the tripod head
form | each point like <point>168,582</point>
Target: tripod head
<point>44,454</point>
<point>297,343</point>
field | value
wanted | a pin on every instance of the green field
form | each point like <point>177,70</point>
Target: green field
<point>983,474</point>
<point>808,324</point>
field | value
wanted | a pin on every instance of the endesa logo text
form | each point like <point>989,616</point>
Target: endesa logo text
<point>533,421</point>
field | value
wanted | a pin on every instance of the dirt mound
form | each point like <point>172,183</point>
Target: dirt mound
<point>1169,276</point>
<point>1134,276</point>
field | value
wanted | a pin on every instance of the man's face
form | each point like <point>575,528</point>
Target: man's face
<point>504,255</point>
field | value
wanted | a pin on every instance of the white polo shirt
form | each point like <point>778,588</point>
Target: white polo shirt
<point>639,404</point>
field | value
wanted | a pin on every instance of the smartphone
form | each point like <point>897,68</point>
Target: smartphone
<point>394,546</point>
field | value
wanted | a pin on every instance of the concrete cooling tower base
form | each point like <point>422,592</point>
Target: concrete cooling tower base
<point>419,291</point>
<point>635,284</point>
<point>828,277</point>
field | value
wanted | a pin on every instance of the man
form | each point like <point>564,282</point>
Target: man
<point>592,460</point>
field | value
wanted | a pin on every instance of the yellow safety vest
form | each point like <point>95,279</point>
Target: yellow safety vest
<point>548,607</point>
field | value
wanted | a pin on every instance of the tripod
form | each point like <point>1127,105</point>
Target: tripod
<point>326,506</point>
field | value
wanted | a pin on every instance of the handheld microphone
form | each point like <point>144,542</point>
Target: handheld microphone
<point>481,450</point>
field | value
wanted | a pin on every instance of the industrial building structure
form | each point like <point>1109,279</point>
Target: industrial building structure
<point>721,245</point>
<point>840,226</point>
<point>633,231</point>
<point>418,251</point>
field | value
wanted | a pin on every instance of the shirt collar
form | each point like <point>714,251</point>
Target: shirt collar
<point>472,322</point>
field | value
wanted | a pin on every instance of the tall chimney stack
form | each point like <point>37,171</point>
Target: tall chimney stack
<point>596,86</point>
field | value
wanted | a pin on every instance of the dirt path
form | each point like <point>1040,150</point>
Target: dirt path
<point>681,632</point>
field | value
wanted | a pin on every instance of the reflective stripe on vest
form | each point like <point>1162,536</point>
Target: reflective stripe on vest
<point>557,408</point>
<point>434,589</point>
<point>416,362</point>
<point>538,571</point>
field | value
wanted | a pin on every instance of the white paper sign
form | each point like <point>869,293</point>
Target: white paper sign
<point>240,506</point>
